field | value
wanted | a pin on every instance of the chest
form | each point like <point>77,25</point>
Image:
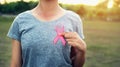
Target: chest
<point>38,34</point>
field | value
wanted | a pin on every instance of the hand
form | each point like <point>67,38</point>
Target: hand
<point>74,40</point>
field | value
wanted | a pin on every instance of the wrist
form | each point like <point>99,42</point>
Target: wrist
<point>82,48</point>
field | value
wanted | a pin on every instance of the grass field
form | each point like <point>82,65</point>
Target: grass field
<point>102,38</point>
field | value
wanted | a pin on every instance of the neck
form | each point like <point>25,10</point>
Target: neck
<point>48,5</point>
<point>48,10</point>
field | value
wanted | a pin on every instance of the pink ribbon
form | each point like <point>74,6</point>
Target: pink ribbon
<point>59,30</point>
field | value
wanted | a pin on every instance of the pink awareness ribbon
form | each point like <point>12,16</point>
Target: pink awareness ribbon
<point>59,30</point>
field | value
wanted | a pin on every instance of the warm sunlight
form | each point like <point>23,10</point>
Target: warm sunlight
<point>85,2</point>
<point>1,1</point>
<point>110,4</point>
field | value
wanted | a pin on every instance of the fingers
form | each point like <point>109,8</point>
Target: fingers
<point>81,47</point>
<point>74,40</point>
<point>72,43</point>
<point>69,35</point>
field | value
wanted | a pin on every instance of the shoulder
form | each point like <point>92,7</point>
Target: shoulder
<point>22,16</point>
<point>74,17</point>
<point>72,14</point>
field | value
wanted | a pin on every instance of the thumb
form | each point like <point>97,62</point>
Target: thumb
<point>62,34</point>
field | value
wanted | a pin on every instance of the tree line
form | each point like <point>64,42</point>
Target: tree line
<point>16,7</point>
<point>90,12</point>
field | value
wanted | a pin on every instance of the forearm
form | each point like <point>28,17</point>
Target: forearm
<point>16,59</point>
<point>14,64</point>
<point>79,60</point>
<point>78,49</point>
<point>77,57</point>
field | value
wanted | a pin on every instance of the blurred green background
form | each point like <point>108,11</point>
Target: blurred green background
<point>101,29</point>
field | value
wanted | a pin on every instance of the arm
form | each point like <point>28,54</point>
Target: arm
<point>77,58</point>
<point>78,49</point>
<point>16,59</point>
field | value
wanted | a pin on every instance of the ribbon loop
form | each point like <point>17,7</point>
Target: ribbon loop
<point>59,30</point>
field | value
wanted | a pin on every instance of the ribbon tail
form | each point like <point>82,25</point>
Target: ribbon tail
<point>55,40</point>
<point>63,40</point>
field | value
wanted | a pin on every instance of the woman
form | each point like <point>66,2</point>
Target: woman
<point>47,36</point>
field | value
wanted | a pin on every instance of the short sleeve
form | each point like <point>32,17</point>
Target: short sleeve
<point>79,26</point>
<point>14,30</point>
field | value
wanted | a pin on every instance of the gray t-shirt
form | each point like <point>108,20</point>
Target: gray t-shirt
<point>36,38</point>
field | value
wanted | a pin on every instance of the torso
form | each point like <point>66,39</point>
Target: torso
<point>38,49</point>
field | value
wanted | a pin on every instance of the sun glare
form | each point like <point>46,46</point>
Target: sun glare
<point>1,1</point>
<point>85,2</point>
<point>110,4</point>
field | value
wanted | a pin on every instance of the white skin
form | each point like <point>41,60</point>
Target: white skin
<point>45,13</point>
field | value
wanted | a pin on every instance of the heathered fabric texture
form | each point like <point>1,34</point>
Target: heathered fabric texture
<point>36,38</point>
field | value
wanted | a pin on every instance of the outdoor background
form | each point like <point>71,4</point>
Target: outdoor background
<point>101,20</point>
